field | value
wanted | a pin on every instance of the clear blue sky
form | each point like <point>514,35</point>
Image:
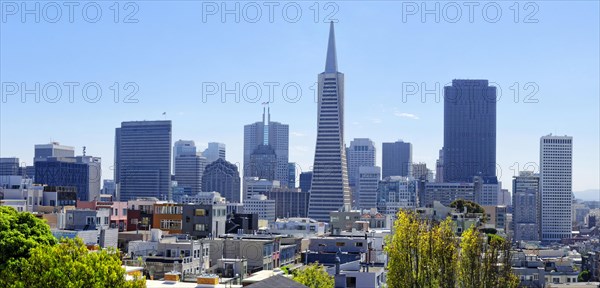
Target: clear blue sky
<point>171,51</point>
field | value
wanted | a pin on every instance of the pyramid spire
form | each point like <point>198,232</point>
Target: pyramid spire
<point>331,62</point>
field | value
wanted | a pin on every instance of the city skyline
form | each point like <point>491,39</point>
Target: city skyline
<point>377,119</point>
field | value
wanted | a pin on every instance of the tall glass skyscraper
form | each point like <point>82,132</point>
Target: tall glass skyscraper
<point>330,190</point>
<point>143,159</point>
<point>469,130</point>
<point>396,159</point>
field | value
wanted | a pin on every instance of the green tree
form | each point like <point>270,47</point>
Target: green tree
<point>424,254</point>
<point>471,206</point>
<point>421,253</point>
<point>584,276</point>
<point>485,261</point>
<point>19,233</point>
<point>70,264</point>
<point>470,264</point>
<point>314,276</point>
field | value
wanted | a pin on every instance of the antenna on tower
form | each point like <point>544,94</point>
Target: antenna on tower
<point>83,150</point>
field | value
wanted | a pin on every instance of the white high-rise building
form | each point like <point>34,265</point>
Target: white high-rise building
<point>255,186</point>
<point>368,182</point>
<point>361,153</point>
<point>330,190</point>
<point>556,166</point>
<point>214,151</point>
<point>261,205</point>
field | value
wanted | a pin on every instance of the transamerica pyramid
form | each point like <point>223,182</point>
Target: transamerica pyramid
<point>330,190</point>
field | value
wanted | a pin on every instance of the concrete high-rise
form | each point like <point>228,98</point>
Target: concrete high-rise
<point>526,206</point>
<point>262,138</point>
<point>361,153</point>
<point>188,173</point>
<point>330,190</point>
<point>556,167</point>
<point>188,166</point>
<point>10,166</point>
<point>53,149</point>
<point>143,159</point>
<point>214,151</point>
<point>469,130</point>
<point>396,159</point>
<point>368,182</point>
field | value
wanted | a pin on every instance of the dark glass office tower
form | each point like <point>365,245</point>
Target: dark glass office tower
<point>469,130</point>
<point>143,159</point>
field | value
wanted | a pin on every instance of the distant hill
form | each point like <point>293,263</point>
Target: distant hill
<point>588,195</point>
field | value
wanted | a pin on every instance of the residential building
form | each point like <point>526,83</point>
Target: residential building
<point>329,189</point>
<point>204,220</point>
<point>342,221</point>
<point>469,130</point>
<point>140,213</point>
<point>143,159</point>
<point>261,251</point>
<point>117,210</point>
<point>396,159</point>
<point>165,254</point>
<point>168,217</point>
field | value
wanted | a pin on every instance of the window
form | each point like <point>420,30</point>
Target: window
<point>199,227</point>
<point>115,212</point>
<point>89,220</point>
<point>200,212</point>
<point>358,244</point>
<point>105,220</point>
<point>340,244</point>
<point>98,220</point>
<point>170,224</point>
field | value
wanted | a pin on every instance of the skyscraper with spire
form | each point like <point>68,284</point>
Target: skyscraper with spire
<point>266,149</point>
<point>330,190</point>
